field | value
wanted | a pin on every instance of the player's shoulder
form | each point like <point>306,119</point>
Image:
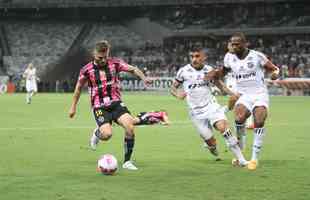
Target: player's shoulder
<point>256,53</point>
<point>87,67</point>
<point>229,55</point>
<point>207,68</point>
<point>115,60</point>
<point>183,69</point>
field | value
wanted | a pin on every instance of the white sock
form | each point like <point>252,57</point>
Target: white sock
<point>232,144</point>
<point>240,130</point>
<point>259,134</point>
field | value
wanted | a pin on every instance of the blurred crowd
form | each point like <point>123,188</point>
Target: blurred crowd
<point>291,53</point>
<point>44,43</point>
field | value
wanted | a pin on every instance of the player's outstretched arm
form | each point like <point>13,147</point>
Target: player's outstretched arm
<point>233,96</point>
<point>76,97</point>
<point>273,69</point>
<point>221,85</point>
<point>174,90</point>
<point>216,74</point>
<point>136,71</point>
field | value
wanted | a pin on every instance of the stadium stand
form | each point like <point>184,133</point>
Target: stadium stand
<point>50,32</point>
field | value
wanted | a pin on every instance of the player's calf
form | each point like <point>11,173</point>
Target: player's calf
<point>232,144</point>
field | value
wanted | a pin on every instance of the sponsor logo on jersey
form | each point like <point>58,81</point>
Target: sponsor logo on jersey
<point>198,85</point>
<point>241,68</point>
<point>190,70</point>
<point>250,65</point>
<point>245,76</point>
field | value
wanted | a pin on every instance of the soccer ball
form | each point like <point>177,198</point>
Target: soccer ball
<point>107,164</point>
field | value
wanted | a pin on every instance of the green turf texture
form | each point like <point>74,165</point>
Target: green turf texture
<point>45,155</point>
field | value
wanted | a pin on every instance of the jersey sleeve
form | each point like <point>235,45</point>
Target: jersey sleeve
<point>82,76</point>
<point>226,61</point>
<point>122,66</point>
<point>262,58</point>
<point>180,76</point>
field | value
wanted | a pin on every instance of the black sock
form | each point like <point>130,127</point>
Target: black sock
<point>129,143</point>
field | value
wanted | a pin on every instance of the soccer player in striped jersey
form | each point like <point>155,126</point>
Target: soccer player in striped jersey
<point>102,78</point>
<point>204,110</point>
<point>248,68</point>
<point>152,117</point>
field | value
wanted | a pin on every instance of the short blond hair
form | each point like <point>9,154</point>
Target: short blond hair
<point>102,46</point>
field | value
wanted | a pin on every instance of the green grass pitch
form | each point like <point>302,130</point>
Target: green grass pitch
<point>45,155</point>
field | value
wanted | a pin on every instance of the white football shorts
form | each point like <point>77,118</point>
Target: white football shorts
<point>31,85</point>
<point>205,121</point>
<point>250,101</point>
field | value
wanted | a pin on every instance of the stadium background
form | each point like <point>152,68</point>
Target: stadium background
<point>57,35</point>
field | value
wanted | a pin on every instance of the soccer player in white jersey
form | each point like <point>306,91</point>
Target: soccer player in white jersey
<point>248,68</point>
<point>204,110</point>
<point>30,75</point>
<point>231,83</point>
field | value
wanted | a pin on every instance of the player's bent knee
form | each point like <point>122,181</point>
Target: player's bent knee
<point>130,128</point>
<point>106,136</point>
<point>259,124</point>
<point>221,126</point>
<point>240,118</point>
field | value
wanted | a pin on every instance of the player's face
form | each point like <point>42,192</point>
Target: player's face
<point>237,45</point>
<point>198,59</point>
<point>101,57</point>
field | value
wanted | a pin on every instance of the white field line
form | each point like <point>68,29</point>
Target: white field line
<point>173,124</point>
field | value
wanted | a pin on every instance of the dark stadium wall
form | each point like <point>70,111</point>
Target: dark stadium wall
<point>149,30</point>
<point>68,66</point>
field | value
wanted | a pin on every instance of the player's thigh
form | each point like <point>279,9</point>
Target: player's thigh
<point>127,122</point>
<point>203,127</point>
<point>28,86</point>
<point>122,116</point>
<point>104,120</point>
<point>221,125</point>
<point>243,108</point>
<point>106,129</point>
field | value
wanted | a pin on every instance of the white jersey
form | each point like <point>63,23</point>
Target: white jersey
<point>248,72</point>
<point>30,74</point>
<point>199,94</point>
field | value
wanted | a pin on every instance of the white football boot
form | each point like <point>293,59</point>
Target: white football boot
<point>129,165</point>
<point>94,140</point>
